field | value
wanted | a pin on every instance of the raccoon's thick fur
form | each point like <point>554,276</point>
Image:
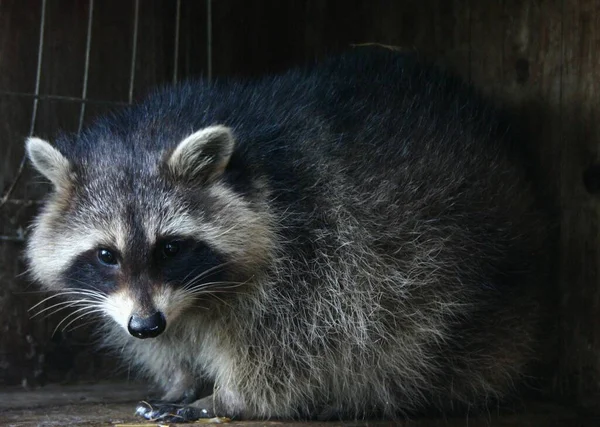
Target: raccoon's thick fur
<point>352,239</point>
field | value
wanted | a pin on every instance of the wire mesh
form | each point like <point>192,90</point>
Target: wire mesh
<point>86,70</point>
<point>136,18</point>
<point>176,47</point>
<point>36,94</point>
<point>209,40</point>
<point>83,101</point>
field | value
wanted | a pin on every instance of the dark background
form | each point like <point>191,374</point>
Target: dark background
<point>62,62</point>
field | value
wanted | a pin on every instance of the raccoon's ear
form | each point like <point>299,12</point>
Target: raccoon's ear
<point>203,155</point>
<point>48,161</point>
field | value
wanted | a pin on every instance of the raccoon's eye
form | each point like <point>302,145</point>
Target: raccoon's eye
<point>170,249</point>
<point>107,257</point>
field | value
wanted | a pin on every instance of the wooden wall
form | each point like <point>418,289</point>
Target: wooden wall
<point>541,57</point>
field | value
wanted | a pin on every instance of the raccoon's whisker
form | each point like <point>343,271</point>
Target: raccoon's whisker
<point>90,292</point>
<point>224,232</point>
<point>23,273</point>
<point>75,319</point>
<point>217,291</point>
<point>95,288</point>
<point>85,313</point>
<point>44,300</point>
<point>30,292</point>
<point>90,305</point>
<point>99,297</point>
<point>58,304</point>
<point>65,318</point>
<point>197,293</point>
<point>79,326</point>
<point>200,286</point>
<point>65,304</point>
<point>92,310</point>
<point>211,292</point>
<point>222,300</point>
<point>204,274</point>
<point>87,285</point>
<point>203,286</point>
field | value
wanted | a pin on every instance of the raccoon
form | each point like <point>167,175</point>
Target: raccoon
<point>354,238</point>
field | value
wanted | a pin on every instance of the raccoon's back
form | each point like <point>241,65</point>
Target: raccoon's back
<point>370,105</point>
<point>381,133</point>
<point>397,201</point>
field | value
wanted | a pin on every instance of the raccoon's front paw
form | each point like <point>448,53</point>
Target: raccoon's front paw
<point>171,413</point>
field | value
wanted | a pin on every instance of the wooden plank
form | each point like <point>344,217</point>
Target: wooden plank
<point>14,127</point>
<point>486,34</point>
<point>251,38</point>
<point>156,43</point>
<point>64,49</point>
<point>112,404</point>
<point>193,39</point>
<point>26,344</point>
<point>59,395</point>
<point>531,81</point>
<point>111,50</point>
<point>321,28</point>
<point>452,35</point>
<point>580,227</point>
<point>18,64</point>
<point>353,25</point>
<point>18,54</point>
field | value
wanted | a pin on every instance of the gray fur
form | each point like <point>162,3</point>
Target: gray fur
<point>202,155</point>
<point>387,267</point>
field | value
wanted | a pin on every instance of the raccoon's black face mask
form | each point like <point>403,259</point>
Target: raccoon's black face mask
<point>144,236</point>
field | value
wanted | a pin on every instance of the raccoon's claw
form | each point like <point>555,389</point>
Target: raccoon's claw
<point>171,413</point>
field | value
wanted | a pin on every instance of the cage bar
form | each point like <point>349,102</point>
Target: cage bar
<point>38,72</point>
<point>38,75</point>
<point>209,40</point>
<point>88,46</point>
<point>62,98</point>
<point>136,18</point>
<point>176,54</point>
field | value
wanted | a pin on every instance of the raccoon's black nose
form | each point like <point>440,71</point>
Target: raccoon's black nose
<point>147,327</point>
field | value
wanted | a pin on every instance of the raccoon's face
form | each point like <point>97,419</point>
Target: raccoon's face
<point>146,237</point>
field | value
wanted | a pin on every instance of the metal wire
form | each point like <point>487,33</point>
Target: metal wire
<point>209,40</point>
<point>12,239</point>
<point>88,46</point>
<point>176,54</point>
<point>36,97</point>
<point>38,75</point>
<point>61,98</point>
<point>134,49</point>
<point>38,72</point>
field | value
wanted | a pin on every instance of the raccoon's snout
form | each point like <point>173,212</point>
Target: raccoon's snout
<point>147,327</point>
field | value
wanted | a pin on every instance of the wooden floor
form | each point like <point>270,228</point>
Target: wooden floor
<point>113,405</point>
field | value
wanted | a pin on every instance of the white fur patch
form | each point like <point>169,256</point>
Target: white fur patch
<point>206,151</point>
<point>170,302</point>
<point>119,305</point>
<point>180,223</point>
<point>48,161</point>
<point>52,250</point>
<point>243,233</point>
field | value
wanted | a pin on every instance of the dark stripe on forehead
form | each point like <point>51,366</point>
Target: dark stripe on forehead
<point>137,250</point>
<point>141,291</point>
<point>137,266</point>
